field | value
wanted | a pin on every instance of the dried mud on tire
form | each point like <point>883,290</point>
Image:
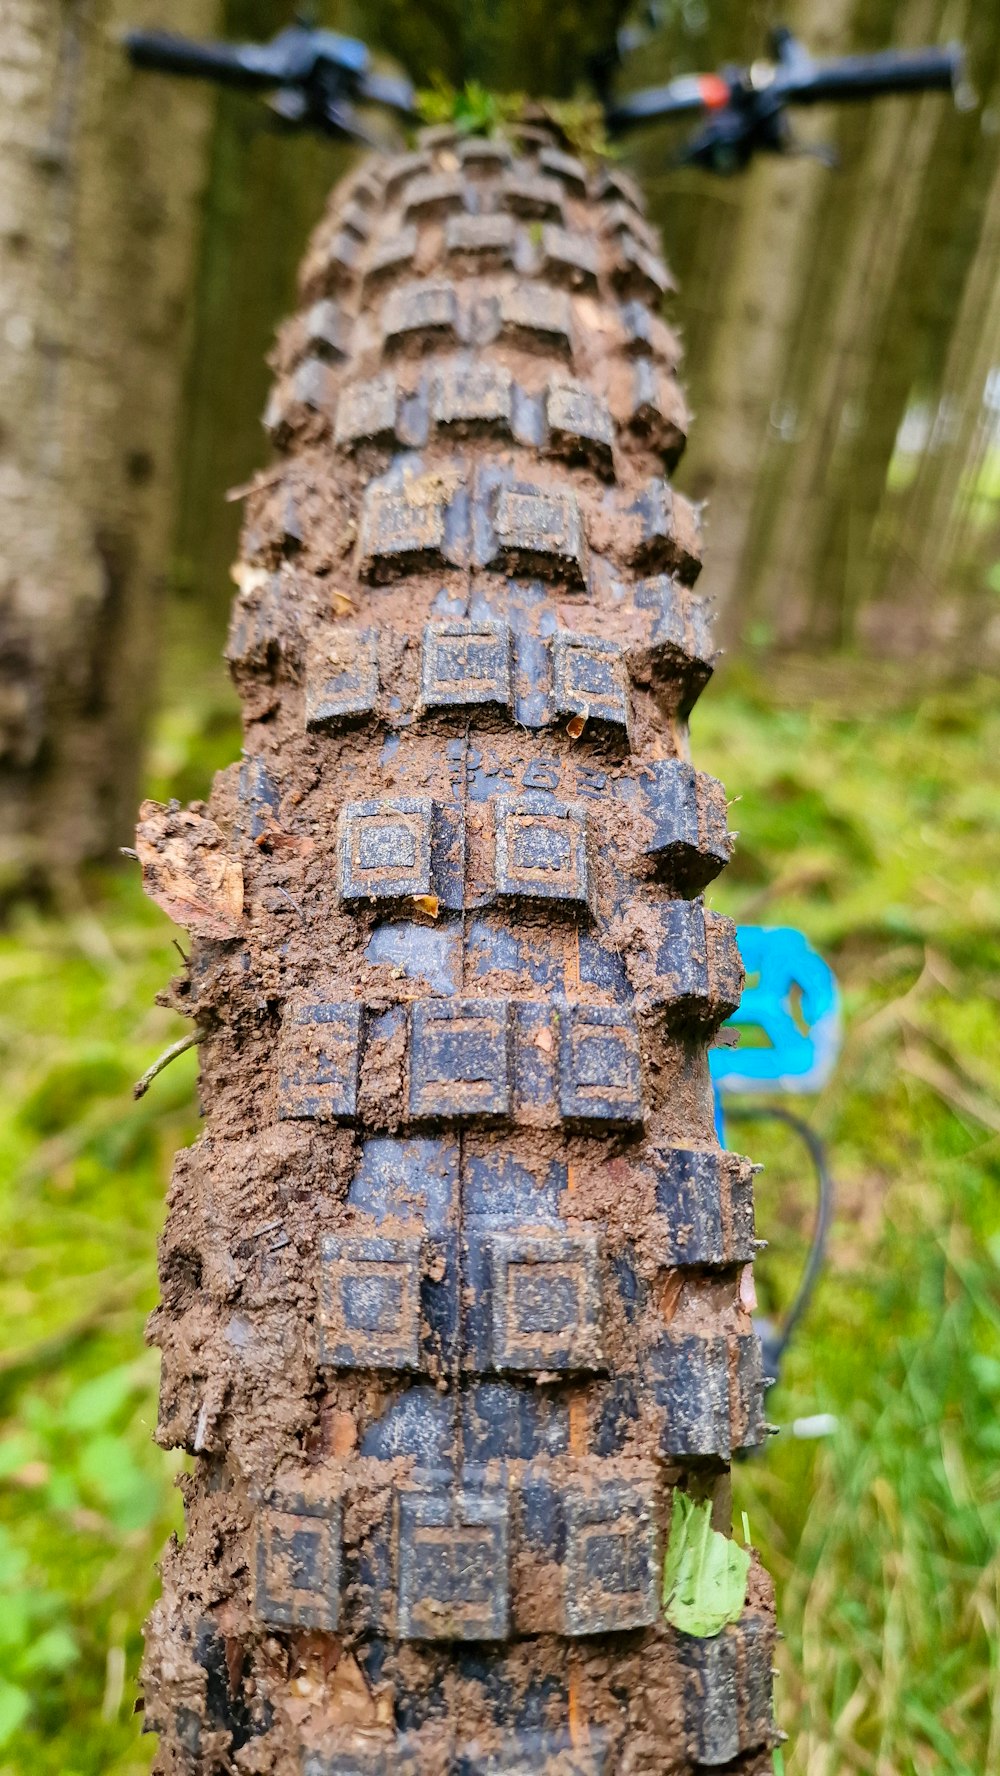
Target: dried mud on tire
<point>450,1283</point>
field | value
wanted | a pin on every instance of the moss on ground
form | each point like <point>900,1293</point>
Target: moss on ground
<point>876,834</point>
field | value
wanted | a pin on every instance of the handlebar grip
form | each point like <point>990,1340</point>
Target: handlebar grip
<point>224,63</point>
<point>872,76</point>
<point>687,96</point>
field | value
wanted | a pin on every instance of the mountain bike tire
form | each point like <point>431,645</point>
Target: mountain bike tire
<point>451,1281</point>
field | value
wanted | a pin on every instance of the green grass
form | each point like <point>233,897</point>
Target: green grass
<point>878,836</point>
<point>85,1499</point>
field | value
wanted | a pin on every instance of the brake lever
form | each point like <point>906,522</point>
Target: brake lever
<point>748,107</point>
<point>309,78</point>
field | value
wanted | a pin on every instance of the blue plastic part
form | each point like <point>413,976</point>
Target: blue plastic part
<point>792,1000</point>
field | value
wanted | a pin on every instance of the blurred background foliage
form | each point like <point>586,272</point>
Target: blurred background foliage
<point>843,337</point>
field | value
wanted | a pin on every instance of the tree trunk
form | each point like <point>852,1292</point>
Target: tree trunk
<point>98,177</point>
<point>526,46</point>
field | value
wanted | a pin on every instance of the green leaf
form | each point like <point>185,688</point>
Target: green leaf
<point>15,1624</point>
<point>108,1467</point>
<point>14,1704</point>
<point>15,1452</point>
<point>13,1560</point>
<point>705,1573</point>
<point>52,1651</point>
<point>91,1406</point>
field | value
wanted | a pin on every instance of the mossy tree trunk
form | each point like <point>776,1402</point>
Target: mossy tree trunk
<point>98,179</point>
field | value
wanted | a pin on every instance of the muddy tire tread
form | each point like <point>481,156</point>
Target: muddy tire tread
<point>451,1282</point>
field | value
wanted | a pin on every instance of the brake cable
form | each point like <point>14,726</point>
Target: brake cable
<point>775,1339</point>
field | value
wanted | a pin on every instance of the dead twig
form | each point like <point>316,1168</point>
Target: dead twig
<point>191,1040</point>
<point>268,478</point>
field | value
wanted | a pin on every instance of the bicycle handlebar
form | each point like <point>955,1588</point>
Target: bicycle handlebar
<point>874,76</point>
<point>794,79</point>
<point>228,63</point>
<point>686,96</point>
<point>317,78</point>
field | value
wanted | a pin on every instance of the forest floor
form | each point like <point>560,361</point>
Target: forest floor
<point>877,834</point>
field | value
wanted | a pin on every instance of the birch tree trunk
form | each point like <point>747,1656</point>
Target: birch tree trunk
<point>98,180</point>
